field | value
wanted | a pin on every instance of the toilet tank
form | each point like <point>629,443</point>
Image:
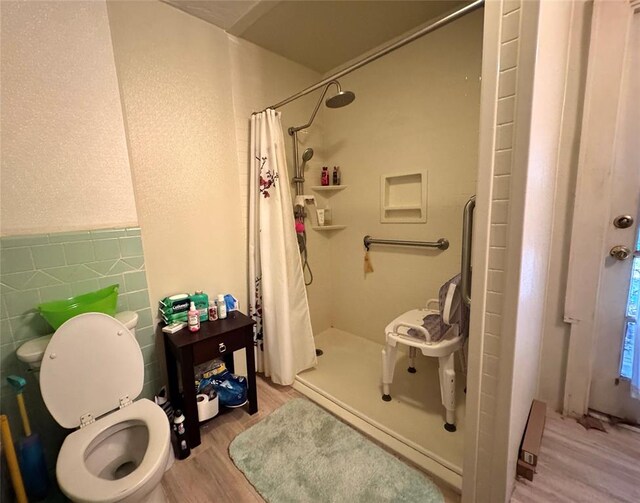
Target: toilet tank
<point>129,319</point>
<point>31,352</point>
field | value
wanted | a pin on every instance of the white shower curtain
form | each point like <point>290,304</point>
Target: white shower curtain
<point>278,299</point>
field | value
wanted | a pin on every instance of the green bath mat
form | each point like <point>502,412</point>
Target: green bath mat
<point>300,453</point>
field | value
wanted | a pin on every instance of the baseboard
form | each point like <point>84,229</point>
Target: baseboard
<point>441,471</point>
<point>607,419</point>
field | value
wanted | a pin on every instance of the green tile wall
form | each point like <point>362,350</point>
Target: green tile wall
<point>35,269</point>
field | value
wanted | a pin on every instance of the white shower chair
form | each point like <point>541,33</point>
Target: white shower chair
<point>437,331</point>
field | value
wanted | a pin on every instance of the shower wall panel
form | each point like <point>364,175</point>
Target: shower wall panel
<point>417,109</point>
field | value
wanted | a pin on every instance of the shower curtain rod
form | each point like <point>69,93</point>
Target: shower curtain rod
<point>386,50</point>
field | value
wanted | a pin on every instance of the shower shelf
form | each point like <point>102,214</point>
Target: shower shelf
<point>328,227</point>
<point>401,207</point>
<point>328,188</point>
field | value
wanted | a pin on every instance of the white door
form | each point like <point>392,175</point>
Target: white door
<point>616,312</point>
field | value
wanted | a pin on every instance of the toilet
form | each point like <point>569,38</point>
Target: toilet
<point>91,373</point>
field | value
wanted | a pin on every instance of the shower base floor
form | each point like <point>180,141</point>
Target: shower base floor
<point>348,376</point>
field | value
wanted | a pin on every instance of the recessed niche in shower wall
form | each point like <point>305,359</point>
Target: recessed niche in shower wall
<point>403,198</point>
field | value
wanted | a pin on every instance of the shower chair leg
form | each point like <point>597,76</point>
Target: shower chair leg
<point>412,359</point>
<point>388,367</point>
<point>448,390</point>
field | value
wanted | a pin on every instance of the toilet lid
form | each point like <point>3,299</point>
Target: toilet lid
<point>92,362</point>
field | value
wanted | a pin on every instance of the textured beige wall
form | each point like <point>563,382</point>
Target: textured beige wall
<point>416,109</point>
<point>177,101</point>
<point>64,153</point>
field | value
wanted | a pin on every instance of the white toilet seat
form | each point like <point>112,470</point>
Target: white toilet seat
<point>91,365</point>
<point>79,484</point>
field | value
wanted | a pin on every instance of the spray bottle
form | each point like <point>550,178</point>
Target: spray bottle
<point>193,318</point>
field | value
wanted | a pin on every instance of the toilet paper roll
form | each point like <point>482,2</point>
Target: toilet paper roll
<point>206,408</point>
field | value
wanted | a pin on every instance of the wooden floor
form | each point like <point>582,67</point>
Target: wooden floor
<point>209,473</point>
<point>583,466</point>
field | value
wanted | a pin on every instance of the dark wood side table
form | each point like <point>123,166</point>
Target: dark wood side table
<point>215,339</point>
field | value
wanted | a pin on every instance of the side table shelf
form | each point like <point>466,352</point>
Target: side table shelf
<point>215,339</point>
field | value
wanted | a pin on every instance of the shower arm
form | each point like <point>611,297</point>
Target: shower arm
<point>293,130</point>
<point>298,177</point>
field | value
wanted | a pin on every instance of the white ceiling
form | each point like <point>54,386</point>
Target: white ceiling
<point>319,34</point>
<point>222,13</point>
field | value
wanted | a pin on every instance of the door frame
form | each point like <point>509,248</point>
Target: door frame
<point>607,53</point>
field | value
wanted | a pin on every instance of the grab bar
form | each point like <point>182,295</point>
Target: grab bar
<point>441,244</point>
<point>465,267</point>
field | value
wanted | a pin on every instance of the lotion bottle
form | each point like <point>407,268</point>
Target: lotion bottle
<point>193,318</point>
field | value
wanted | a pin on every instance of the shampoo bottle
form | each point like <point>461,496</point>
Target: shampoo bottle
<point>324,181</point>
<point>193,318</point>
<point>222,307</point>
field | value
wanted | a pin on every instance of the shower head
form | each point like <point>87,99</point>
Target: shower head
<point>342,99</point>
<point>339,100</point>
<point>307,155</point>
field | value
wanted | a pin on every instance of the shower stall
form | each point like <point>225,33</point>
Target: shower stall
<point>409,170</point>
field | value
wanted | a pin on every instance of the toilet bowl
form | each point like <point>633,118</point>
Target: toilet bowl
<point>92,371</point>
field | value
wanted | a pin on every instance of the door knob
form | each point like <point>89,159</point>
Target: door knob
<point>623,221</point>
<point>620,252</point>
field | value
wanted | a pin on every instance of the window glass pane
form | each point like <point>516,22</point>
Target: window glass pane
<point>627,350</point>
<point>634,290</point>
<point>633,303</point>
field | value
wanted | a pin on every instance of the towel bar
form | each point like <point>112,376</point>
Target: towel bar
<point>441,244</point>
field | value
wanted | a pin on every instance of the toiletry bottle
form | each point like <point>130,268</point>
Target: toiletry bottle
<point>181,435</point>
<point>222,307</point>
<point>193,318</point>
<point>327,216</point>
<point>336,177</point>
<point>201,300</point>
<point>213,310</point>
<point>325,176</point>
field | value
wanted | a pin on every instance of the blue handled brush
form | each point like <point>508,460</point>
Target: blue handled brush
<point>30,453</point>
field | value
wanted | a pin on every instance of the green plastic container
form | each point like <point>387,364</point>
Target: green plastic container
<point>100,301</point>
